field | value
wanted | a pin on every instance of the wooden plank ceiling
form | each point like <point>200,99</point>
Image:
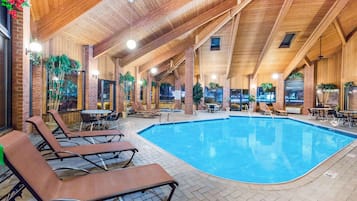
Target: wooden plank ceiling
<point>250,30</point>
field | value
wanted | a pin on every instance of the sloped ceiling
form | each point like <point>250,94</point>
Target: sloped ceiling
<point>107,24</point>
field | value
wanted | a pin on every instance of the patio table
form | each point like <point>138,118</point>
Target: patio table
<point>349,114</point>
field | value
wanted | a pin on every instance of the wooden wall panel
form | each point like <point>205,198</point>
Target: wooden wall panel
<point>266,78</point>
<point>61,45</point>
<point>349,70</point>
<point>240,82</point>
<point>106,68</point>
<point>328,70</point>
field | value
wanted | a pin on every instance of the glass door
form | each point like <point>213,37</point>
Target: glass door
<point>106,94</point>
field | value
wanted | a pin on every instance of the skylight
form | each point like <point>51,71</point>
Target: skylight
<point>287,40</point>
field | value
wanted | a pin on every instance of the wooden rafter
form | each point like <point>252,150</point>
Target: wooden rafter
<point>167,55</point>
<point>58,18</point>
<point>176,63</point>
<point>234,32</point>
<point>180,30</point>
<point>117,38</point>
<point>283,12</point>
<point>339,31</point>
<point>321,27</point>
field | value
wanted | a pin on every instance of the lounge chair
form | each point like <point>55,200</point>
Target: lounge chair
<point>265,109</point>
<point>140,110</point>
<point>279,111</point>
<point>82,151</point>
<point>86,135</point>
<point>42,182</point>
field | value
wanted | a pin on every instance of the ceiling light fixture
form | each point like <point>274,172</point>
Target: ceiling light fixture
<point>214,77</point>
<point>153,70</point>
<point>320,56</point>
<point>131,43</point>
<point>275,76</point>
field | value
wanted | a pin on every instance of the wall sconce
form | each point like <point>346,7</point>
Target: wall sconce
<point>95,74</point>
<point>34,47</point>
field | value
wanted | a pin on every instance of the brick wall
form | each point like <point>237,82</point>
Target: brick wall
<point>90,64</point>
<point>189,69</point>
<point>20,70</point>
<point>37,80</point>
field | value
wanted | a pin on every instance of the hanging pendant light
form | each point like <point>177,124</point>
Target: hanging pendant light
<point>131,43</point>
<point>320,56</point>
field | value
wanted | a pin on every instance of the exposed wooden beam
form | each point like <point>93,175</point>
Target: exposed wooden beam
<point>307,61</point>
<point>234,32</point>
<point>176,63</point>
<point>320,28</point>
<point>167,55</point>
<point>180,30</point>
<point>279,19</point>
<point>58,18</point>
<point>339,30</point>
<point>117,38</point>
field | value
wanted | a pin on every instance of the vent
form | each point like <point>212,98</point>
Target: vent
<point>215,43</point>
<point>287,40</point>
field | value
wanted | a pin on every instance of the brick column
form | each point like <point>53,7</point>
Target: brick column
<point>90,64</point>
<point>280,90</point>
<point>37,95</point>
<point>157,95</point>
<point>309,87</point>
<point>148,92</point>
<point>189,70</point>
<point>119,100</point>
<point>226,93</point>
<point>137,85</point>
<point>20,71</point>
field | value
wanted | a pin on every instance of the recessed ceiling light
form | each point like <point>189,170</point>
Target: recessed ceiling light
<point>275,76</point>
<point>153,70</point>
<point>131,1</point>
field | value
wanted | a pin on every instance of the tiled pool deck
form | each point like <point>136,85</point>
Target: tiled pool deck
<point>334,180</point>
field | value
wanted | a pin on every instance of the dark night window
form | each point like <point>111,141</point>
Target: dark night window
<point>287,40</point>
<point>215,43</point>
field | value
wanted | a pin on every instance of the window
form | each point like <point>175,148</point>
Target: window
<point>166,92</point>
<point>5,70</point>
<point>106,94</point>
<point>294,92</point>
<point>266,96</point>
<point>213,95</point>
<point>215,43</point>
<point>287,40</point>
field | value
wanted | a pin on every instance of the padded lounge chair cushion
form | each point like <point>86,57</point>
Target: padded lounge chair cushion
<point>31,168</point>
<point>71,134</point>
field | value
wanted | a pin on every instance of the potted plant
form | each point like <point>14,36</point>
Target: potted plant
<point>57,68</point>
<point>197,94</point>
<point>267,87</point>
<point>126,82</point>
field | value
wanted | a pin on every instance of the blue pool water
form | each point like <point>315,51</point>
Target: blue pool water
<point>257,150</point>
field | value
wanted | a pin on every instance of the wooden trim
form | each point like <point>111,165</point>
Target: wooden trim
<point>320,28</point>
<point>339,30</point>
<point>163,57</point>
<point>283,12</point>
<point>180,30</point>
<point>54,21</point>
<point>234,32</point>
<point>117,38</point>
